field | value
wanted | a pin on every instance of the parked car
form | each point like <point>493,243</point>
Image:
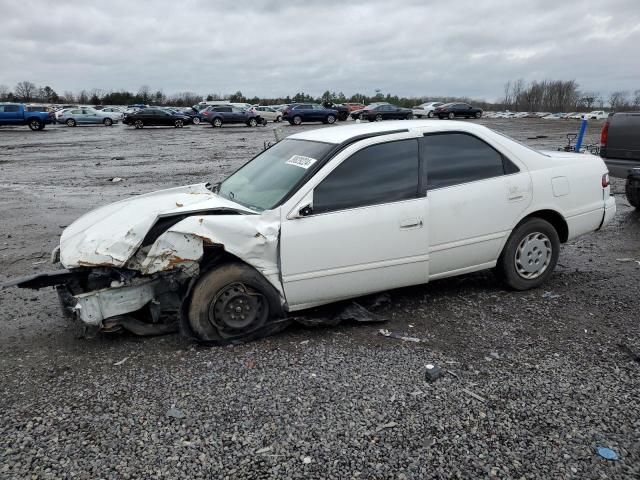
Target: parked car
<point>457,110</point>
<point>377,112</point>
<point>17,114</point>
<point>426,109</point>
<point>554,116</point>
<point>620,149</point>
<point>218,115</point>
<point>193,113</point>
<point>298,113</point>
<point>343,110</point>
<point>152,117</point>
<point>85,116</point>
<point>354,106</point>
<point>285,232</point>
<point>115,111</point>
<point>576,115</point>
<point>596,115</point>
<point>269,113</point>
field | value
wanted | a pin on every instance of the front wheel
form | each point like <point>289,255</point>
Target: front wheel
<point>35,124</point>
<point>107,122</point>
<point>252,122</point>
<point>478,114</point>
<point>71,122</point>
<point>530,255</point>
<point>378,117</point>
<point>451,115</point>
<point>297,120</point>
<point>139,124</point>
<point>196,120</point>
<point>232,302</point>
<point>216,122</point>
<point>430,114</point>
<point>331,119</point>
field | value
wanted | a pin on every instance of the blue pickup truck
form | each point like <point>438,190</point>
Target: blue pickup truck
<point>17,114</point>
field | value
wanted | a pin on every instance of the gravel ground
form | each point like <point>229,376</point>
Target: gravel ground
<point>535,380</point>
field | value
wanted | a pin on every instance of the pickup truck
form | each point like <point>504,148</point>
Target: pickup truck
<point>18,114</point>
<point>620,150</point>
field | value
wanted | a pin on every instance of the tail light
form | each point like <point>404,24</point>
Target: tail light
<point>604,134</point>
<point>605,180</point>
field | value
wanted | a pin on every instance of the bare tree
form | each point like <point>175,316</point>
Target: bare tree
<point>69,97</point>
<point>83,97</point>
<point>508,96</point>
<point>144,93</point>
<point>4,92</point>
<point>617,99</point>
<point>636,98</point>
<point>516,93</point>
<point>25,90</point>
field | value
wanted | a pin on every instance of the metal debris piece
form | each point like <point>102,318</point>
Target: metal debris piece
<point>550,295</point>
<point>433,372</point>
<point>263,450</point>
<point>352,312</point>
<point>116,179</point>
<point>386,333</point>
<point>306,460</point>
<point>386,425</point>
<point>474,395</point>
<point>117,364</point>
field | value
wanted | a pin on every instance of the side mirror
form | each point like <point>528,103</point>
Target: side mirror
<point>305,211</point>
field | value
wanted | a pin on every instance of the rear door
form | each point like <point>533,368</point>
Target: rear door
<point>366,230</point>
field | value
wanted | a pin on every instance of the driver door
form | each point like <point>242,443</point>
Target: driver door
<point>361,226</point>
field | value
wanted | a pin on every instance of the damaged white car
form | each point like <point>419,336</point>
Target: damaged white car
<point>322,216</point>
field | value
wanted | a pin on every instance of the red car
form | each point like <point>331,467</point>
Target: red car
<point>354,106</point>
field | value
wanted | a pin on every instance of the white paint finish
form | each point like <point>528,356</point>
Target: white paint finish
<point>468,222</point>
<point>353,252</point>
<point>110,235</point>
<point>560,186</point>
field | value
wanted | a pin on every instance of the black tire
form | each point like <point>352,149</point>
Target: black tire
<point>196,120</point>
<point>138,124</point>
<point>330,119</point>
<point>35,124</point>
<point>178,123</point>
<point>216,122</point>
<point>378,117</point>
<point>409,116</point>
<point>451,115</point>
<point>515,260</point>
<point>216,311</point>
<point>478,114</point>
<point>632,191</point>
<point>70,122</point>
<point>107,122</point>
<point>291,122</point>
<point>252,122</point>
<point>278,119</point>
<point>430,114</point>
<point>297,120</point>
<point>343,116</point>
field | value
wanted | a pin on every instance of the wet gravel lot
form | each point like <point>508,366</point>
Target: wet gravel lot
<point>536,380</point>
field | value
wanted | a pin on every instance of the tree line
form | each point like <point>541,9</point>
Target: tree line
<point>534,96</point>
<point>563,96</point>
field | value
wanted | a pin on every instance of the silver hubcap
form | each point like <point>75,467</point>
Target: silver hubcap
<point>217,123</point>
<point>196,120</point>
<point>533,255</point>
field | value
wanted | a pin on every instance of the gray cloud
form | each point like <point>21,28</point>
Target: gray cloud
<point>459,47</point>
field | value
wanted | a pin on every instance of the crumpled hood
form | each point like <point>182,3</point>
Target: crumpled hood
<point>111,235</point>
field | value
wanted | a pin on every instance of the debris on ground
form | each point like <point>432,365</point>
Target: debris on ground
<point>117,364</point>
<point>625,259</point>
<point>550,295</point>
<point>607,453</point>
<point>116,179</point>
<point>632,354</point>
<point>380,301</point>
<point>433,372</point>
<point>474,395</point>
<point>306,460</point>
<point>325,317</point>
<point>175,413</point>
<point>263,450</point>
<point>386,425</point>
<point>386,333</point>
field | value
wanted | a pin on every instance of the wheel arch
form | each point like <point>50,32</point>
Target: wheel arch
<point>554,218</point>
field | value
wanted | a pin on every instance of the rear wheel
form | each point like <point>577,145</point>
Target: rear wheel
<point>196,120</point>
<point>409,116</point>
<point>478,114</point>
<point>71,122</point>
<point>430,115</point>
<point>378,117</point>
<point>278,119</point>
<point>530,255</point>
<point>178,124</point>
<point>107,122</point>
<point>451,115</point>
<point>138,124</point>
<point>331,119</point>
<point>232,302</point>
<point>35,124</point>
<point>632,191</point>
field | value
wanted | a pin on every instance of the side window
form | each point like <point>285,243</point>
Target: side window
<point>11,108</point>
<point>455,158</point>
<point>76,112</point>
<point>383,173</point>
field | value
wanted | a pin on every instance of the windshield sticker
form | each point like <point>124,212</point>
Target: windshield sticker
<point>301,161</point>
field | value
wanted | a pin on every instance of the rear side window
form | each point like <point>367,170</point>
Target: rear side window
<point>456,158</point>
<point>378,174</point>
<point>11,108</point>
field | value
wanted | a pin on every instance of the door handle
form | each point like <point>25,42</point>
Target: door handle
<point>411,223</point>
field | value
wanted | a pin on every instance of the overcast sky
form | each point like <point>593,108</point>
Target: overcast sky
<point>268,48</point>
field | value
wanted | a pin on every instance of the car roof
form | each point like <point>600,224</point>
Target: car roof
<point>340,134</point>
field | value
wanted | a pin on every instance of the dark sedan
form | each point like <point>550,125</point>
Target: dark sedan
<point>376,112</point>
<point>457,110</point>
<point>152,117</point>
<point>297,113</point>
<point>218,115</point>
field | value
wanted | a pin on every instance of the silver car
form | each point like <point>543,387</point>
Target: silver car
<point>86,115</point>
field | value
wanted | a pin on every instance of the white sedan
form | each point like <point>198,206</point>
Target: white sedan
<point>270,114</point>
<point>596,115</point>
<point>425,109</point>
<point>327,215</point>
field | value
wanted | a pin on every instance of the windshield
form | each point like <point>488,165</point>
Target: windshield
<point>263,182</point>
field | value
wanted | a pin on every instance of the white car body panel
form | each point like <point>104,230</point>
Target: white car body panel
<point>424,109</point>
<point>268,113</point>
<point>318,259</point>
